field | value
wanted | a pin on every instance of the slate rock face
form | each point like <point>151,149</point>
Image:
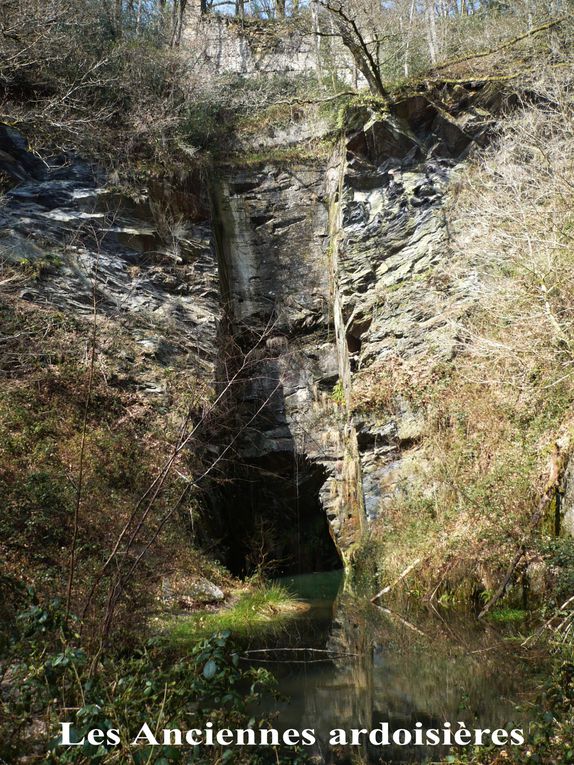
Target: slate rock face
<point>16,161</point>
<point>399,299</point>
<point>157,283</point>
<point>273,234</point>
<point>328,269</point>
<point>340,263</point>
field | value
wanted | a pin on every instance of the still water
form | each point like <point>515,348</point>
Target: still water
<point>399,665</point>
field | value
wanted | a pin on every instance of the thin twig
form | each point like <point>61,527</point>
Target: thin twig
<point>87,404</point>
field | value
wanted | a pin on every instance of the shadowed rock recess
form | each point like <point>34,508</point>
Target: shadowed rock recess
<point>327,267</point>
<point>314,271</point>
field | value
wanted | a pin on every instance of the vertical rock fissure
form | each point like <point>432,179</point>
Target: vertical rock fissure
<point>290,500</point>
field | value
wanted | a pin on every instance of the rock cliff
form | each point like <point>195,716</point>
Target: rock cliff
<point>334,271</point>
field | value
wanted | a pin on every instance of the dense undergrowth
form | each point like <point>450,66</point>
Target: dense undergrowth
<point>52,679</point>
<point>56,419</point>
<point>498,417</point>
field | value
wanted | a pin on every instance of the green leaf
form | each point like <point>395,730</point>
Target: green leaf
<point>209,669</point>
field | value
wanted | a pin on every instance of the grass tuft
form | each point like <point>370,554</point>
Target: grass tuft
<point>261,611</point>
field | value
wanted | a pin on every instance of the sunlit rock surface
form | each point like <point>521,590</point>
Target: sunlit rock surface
<point>330,269</point>
<point>154,280</point>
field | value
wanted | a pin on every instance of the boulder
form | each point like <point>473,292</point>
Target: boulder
<point>205,591</point>
<point>16,159</point>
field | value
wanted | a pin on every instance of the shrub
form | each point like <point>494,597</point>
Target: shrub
<point>51,676</point>
<point>493,415</point>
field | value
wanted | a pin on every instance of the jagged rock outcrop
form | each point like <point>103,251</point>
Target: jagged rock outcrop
<point>153,273</point>
<point>396,299</point>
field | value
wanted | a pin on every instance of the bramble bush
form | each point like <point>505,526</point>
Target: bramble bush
<point>50,678</point>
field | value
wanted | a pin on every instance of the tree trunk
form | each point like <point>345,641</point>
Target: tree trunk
<point>178,11</point>
<point>139,16</point>
<point>363,64</point>
<point>431,32</point>
<point>530,16</point>
<point>317,39</point>
<point>359,47</point>
<point>409,34</point>
<point>118,14</point>
<point>280,8</point>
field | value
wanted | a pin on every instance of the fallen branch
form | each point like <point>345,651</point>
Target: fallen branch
<point>506,581</point>
<point>439,81</point>
<point>401,620</point>
<point>558,461</point>
<point>389,587</point>
<point>448,567</point>
<point>296,101</point>
<point>327,655</point>
<point>547,624</point>
<point>503,46</point>
<point>287,661</point>
<point>300,650</point>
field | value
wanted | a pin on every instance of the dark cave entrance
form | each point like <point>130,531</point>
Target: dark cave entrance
<point>273,521</point>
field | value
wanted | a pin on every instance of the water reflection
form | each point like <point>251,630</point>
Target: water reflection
<point>400,665</point>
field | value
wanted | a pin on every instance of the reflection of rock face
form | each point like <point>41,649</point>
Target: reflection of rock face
<point>431,670</point>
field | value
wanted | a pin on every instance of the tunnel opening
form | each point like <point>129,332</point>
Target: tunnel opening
<point>273,519</point>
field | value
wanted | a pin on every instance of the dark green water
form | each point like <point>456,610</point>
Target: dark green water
<point>401,665</point>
